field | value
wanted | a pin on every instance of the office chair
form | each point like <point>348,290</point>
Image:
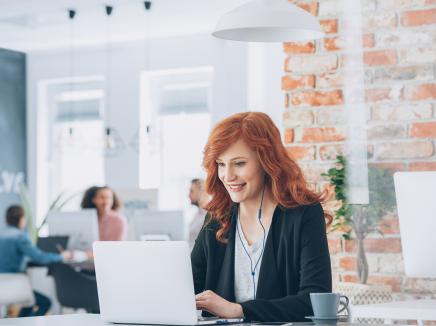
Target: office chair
<point>75,289</point>
<point>15,289</point>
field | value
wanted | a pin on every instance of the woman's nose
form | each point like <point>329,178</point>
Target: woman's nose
<point>229,174</point>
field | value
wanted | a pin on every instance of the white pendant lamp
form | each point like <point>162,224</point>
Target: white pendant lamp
<point>268,21</point>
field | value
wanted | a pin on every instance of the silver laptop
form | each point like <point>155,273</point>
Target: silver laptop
<point>416,204</point>
<point>147,282</point>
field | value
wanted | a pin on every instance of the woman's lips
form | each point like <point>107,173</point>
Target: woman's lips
<point>236,187</point>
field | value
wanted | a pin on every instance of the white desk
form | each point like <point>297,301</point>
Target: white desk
<point>415,309</point>
<point>56,320</point>
<point>65,320</point>
<point>94,320</point>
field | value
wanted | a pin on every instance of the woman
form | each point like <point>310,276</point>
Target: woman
<point>112,225</point>
<point>16,248</point>
<point>264,247</point>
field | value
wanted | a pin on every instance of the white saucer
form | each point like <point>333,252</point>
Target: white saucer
<point>332,320</point>
<point>329,317</point>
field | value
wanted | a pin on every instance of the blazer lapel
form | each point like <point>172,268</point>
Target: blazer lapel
<point>269,277</point>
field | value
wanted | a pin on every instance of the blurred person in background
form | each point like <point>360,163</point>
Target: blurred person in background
<point>16,249</point>
<point>112,225</point>
<point>198,198</point>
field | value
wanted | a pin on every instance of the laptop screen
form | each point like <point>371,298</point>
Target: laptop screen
<point>52,244</point>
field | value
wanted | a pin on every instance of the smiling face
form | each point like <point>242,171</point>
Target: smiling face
<point>103,200</point>
<point>240,171</point>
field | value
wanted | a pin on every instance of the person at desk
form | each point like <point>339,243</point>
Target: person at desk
<point>198,198</point>
<point>263,248</point>
<point>112,225</point>
<point>16,248</point>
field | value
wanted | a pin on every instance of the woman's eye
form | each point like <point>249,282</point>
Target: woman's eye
<point>220,164</point>
<point>239,163</point>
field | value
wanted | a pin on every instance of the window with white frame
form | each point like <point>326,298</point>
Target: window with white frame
<point>76,156</point>
<point>177,123</point>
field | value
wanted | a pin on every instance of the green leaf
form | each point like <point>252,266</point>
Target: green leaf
<point>57,204</point>
<point>366,217</point>
<point>25,202</point>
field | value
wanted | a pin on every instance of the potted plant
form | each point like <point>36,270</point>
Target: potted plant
<point>33,229</point>
<point>359,221</point>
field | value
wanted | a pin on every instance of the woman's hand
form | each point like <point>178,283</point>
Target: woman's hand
<point>89,254</point>
<point>67,255</point>
<point>213,303</point>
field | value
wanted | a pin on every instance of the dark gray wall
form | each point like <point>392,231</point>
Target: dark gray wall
<point>12,127</point>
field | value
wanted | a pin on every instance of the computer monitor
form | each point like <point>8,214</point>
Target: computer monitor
<point>156,225</point>
<point>80,226</point>
<point>416,204</point>
<point>137,199</point>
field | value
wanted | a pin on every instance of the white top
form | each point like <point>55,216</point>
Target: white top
<point>244,287</point>
<point>196,225</point>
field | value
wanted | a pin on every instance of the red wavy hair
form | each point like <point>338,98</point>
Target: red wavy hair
<point>284,177</point>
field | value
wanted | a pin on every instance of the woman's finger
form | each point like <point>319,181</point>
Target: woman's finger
<point>202,306</point>
<point>202,294</point>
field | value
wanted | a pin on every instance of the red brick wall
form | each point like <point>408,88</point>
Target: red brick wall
<point>399,55</point>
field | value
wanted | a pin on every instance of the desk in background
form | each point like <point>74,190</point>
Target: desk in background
<point>43,282</point>
<point>84,267</point>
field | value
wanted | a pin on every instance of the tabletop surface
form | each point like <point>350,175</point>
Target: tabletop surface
<point>414,304</point>
<point>52,320</point>
<point>91,320</point>
<point>411,309</point>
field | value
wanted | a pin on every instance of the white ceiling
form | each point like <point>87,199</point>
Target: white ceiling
<point>29,25</point>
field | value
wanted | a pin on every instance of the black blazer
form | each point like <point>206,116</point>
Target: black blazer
<point>295,262</point>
